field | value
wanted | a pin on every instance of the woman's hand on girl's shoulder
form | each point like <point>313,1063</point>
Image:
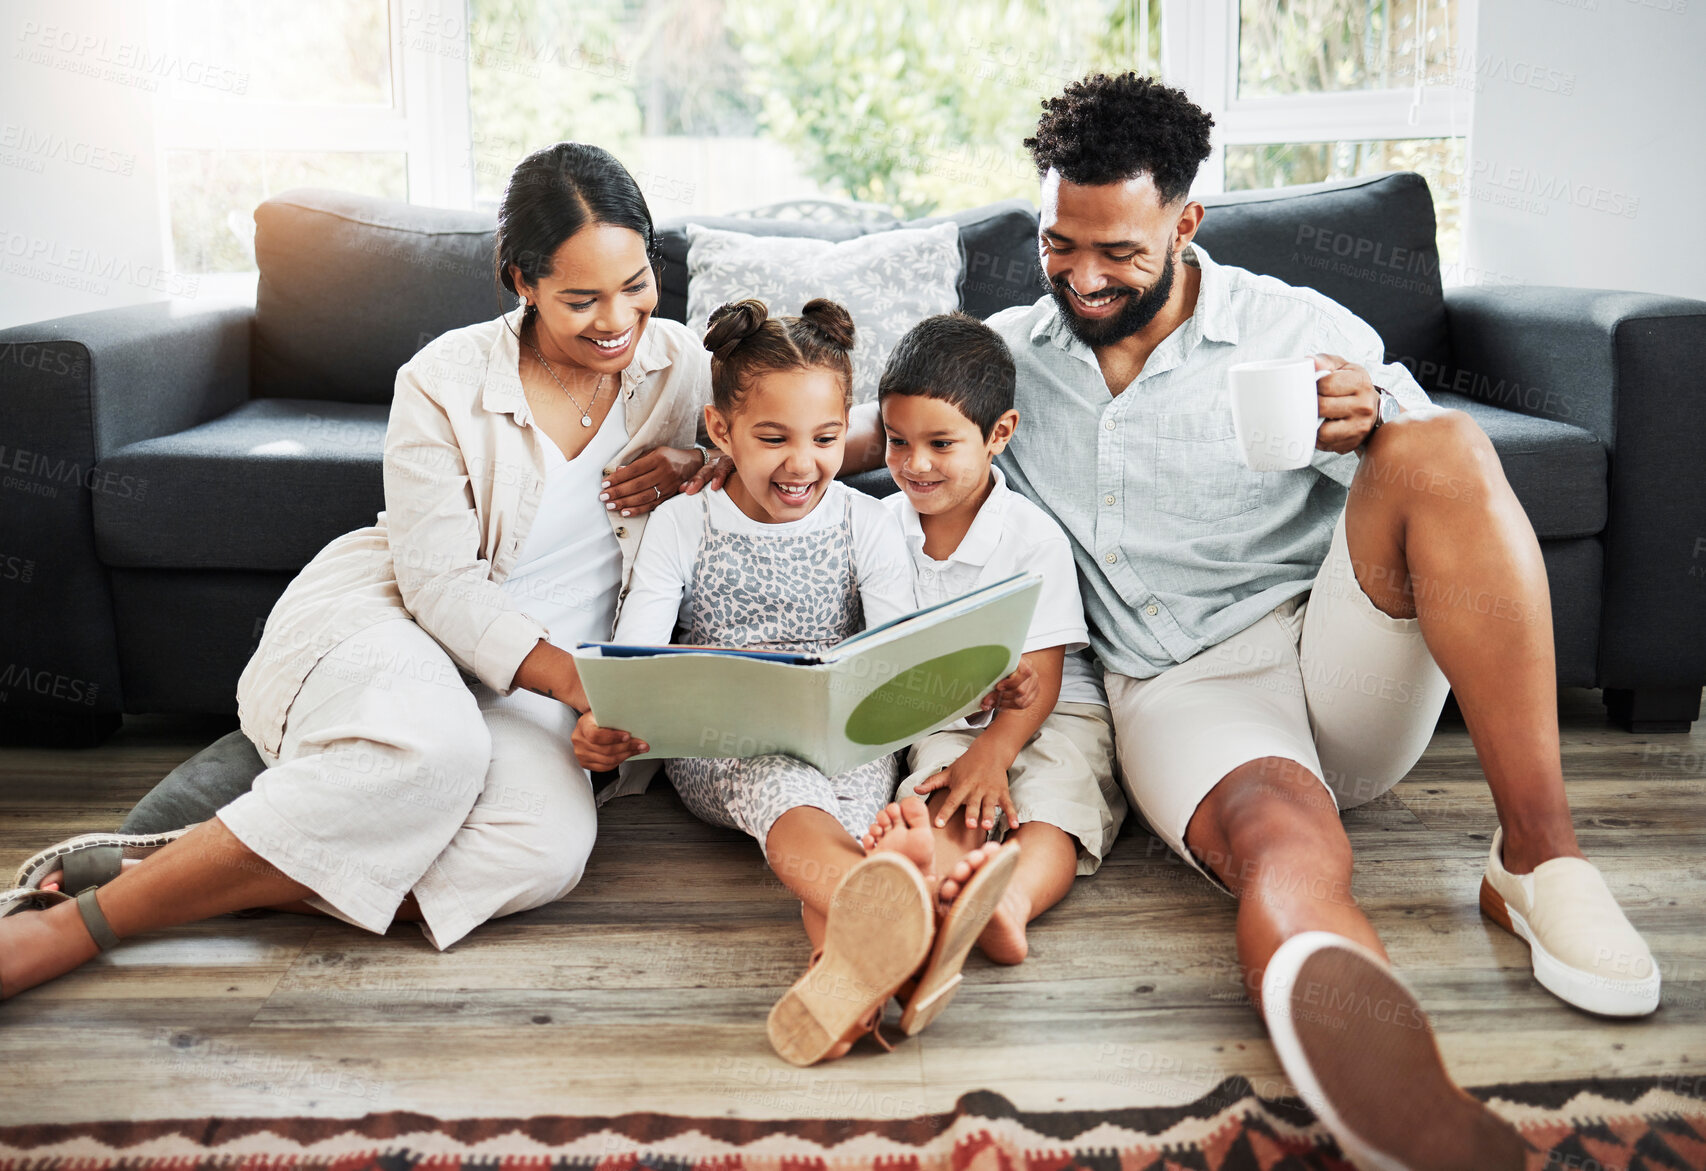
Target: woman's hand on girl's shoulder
<point>602,749</point>
<point>718,468</point>
<point>636,488</point>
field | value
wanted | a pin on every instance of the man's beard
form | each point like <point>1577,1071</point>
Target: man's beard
<point>1138,311</point>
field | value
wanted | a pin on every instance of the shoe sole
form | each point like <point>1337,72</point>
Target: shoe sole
<point>40,865</point>
<point>876,935</point>
<point>960,928</point>
<point>1386,1095</point>
<point>1584,990</point>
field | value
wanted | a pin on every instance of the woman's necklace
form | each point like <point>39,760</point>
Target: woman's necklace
<point>586,411</point>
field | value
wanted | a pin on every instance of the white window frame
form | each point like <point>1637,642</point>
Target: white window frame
<point>1199,54</point>
<point>427,121</point>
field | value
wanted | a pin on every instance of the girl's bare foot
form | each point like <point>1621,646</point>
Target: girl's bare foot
<point>887,818</point>
<point>904,827</point>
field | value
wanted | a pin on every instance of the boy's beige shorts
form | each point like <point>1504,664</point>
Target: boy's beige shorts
<point>1063,776</point>
<point>1326,680</point>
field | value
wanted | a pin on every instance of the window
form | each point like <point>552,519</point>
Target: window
<point>910,106</point>
<point>277,94</point>
<point>714,105</point>
<point>1309,90</point>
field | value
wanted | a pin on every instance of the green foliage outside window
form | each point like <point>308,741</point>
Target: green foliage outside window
<point>923,105</point>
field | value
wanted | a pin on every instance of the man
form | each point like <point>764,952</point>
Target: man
<point>1278,645</point>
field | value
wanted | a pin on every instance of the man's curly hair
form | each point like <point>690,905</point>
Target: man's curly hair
<point>1109,129</point>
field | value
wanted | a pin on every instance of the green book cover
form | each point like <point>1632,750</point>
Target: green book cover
<point>862,699</point>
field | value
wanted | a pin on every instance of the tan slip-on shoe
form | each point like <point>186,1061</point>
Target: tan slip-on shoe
<point>1583,949</point>
<point>1354,1041</point>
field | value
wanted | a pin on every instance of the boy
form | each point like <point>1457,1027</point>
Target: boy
<point>1043,775</point>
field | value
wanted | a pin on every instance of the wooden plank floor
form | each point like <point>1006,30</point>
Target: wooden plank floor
<point>647,988</point>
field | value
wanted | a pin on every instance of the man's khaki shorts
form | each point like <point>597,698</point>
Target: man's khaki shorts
<point>1064,775</point>
<point>1326,680</point>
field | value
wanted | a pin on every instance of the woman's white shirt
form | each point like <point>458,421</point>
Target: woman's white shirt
<point>570,569</point>
<point>663,570</point>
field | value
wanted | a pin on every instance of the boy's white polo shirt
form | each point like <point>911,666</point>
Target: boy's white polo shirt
<point>1011,535</point>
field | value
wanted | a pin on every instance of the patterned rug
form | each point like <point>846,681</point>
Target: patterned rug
<point>1637,1124</point>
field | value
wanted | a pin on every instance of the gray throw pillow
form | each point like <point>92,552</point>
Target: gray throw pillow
<point>889,281</point>
<point>198,788</point>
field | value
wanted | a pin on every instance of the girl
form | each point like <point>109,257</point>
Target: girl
<point>520,457</point>
<point>789,558</point>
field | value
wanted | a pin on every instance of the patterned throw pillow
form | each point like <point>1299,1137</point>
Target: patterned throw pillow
<point>889,281</point>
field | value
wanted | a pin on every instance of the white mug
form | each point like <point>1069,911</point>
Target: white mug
<point>1274,412</point>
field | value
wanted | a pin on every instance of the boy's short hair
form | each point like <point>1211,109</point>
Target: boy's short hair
<point>958,359</point>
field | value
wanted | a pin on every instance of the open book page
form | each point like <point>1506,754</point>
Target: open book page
<point>867,696</point>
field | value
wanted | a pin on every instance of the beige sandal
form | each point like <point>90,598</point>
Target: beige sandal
<point>964,922</point>
<point>876,935</point>
<point>90,860</point>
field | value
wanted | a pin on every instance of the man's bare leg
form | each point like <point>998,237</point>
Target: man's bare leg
<point>1271,832</point>
<point>1434,529</point>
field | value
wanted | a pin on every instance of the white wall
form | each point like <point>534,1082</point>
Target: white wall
<point>1588,144</point>
<point>80,206</point>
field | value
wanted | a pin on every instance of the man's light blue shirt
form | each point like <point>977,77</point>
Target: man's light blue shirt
<point>1178,544</point>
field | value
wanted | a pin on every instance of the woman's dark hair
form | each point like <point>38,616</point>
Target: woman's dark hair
<point>958,359</point>
<point>745,340</point>
<point>554,193</point>
<point>1109,129</point>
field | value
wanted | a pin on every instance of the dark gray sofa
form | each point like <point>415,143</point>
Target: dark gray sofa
<point>167,471</point>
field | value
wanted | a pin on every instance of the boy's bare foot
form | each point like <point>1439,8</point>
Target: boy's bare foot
<point>956,879</point>
<point>904,827</point>
<point>965,901</point>
<point>1003,941</point>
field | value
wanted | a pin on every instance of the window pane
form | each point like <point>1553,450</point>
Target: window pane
<point>1327,46</point>
<point>1438,160</point>
<point>213,195</point>
<point>332,52</point>
<point>717,105</point>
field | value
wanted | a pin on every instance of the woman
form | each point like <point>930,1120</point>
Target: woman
<point>394,788</point>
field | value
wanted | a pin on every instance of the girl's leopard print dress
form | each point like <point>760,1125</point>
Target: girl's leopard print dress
<point>787,592</point>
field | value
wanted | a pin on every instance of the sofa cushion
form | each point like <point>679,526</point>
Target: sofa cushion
<point>888,281</point>
<point>1001,267</point>
<point>1557,470</point>
<point>998,241</point>
<point>351,286</point>
<point>262,488</point>
<point>1366,243</point>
